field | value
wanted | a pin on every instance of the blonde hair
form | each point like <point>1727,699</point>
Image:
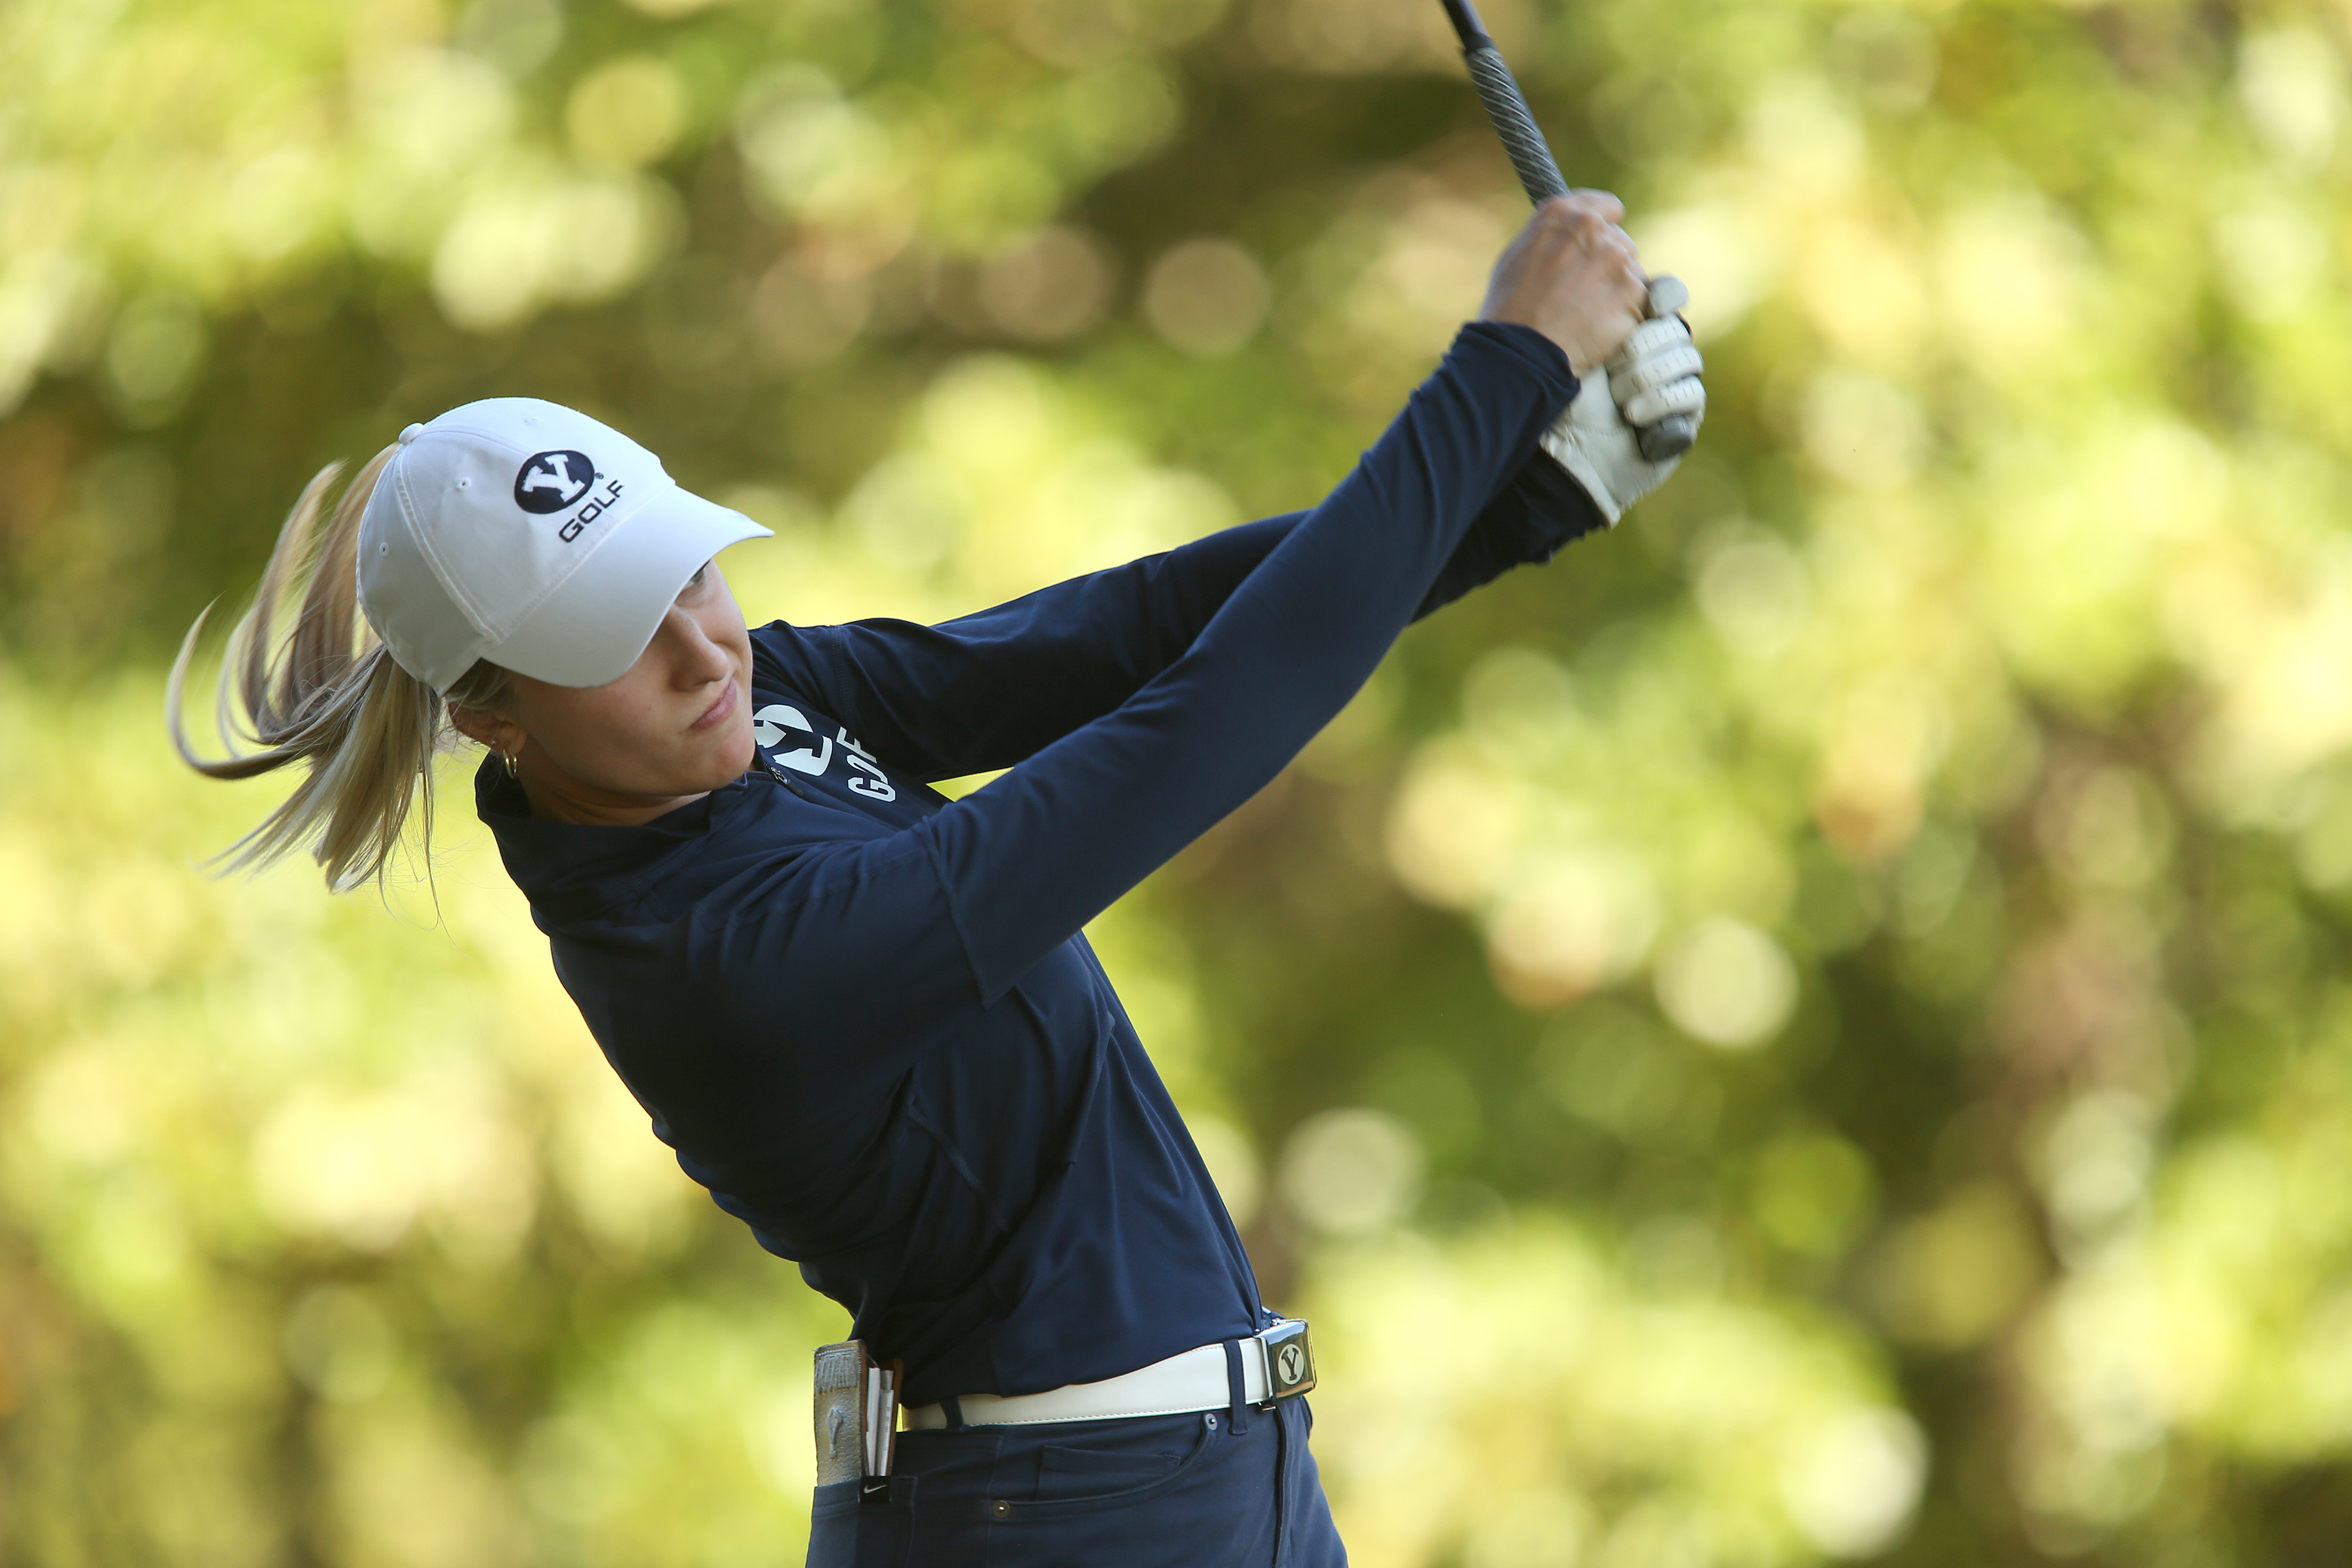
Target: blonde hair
<point>330,695</point>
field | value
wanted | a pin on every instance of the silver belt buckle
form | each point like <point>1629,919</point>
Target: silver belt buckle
<point>1289,1360</point>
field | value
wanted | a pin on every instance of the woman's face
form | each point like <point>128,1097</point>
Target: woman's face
<point>677,726</point>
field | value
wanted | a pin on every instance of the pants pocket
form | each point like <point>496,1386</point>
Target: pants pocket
<point>1116,1465</point>
<point>1064,1474</point>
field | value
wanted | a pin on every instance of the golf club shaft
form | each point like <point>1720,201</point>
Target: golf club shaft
<point>1507,106</point>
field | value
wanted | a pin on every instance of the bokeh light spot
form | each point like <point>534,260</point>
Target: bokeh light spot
<point>1207,297</point>
<point>1727,984</point>
<point>1351,1172</point>
<point>626,112</point>
<point>1852,1484</point>
<point>1052,284</point>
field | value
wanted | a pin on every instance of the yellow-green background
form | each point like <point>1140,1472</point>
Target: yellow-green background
<point>1815,1027</point>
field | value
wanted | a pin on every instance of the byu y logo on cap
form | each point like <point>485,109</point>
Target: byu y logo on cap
<point>550,481</point>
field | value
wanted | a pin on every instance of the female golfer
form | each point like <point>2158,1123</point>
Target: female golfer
<point>864,1014</point>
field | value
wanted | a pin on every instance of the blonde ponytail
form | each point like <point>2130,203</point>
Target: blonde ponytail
<point>328,695</point>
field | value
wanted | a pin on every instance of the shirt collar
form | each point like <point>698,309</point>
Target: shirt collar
<point>572,869</point>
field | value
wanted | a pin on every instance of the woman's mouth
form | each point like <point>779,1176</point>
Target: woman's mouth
<point>722,709</point>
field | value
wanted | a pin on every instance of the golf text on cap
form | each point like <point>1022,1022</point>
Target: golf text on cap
<point>550,481</point>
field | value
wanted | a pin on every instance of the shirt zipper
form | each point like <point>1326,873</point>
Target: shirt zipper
<point>783,775</point>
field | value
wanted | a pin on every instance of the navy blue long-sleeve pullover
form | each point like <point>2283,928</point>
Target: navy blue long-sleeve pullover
<point>865,1016</point>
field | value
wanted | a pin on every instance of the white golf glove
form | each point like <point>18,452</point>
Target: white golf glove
<point>1654,376</point>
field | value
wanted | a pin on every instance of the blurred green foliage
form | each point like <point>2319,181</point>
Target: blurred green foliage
<point>1811,1029</point>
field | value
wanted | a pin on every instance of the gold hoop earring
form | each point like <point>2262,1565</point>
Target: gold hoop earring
<point>514,765</point>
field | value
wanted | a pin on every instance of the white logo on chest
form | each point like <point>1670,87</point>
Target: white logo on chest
<point>866,778</point>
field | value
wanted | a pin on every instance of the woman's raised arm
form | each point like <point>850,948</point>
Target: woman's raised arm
<point>1030,859</point>
<point>989,689</point>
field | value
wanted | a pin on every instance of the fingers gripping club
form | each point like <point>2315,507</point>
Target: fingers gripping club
<point>1664,434</point>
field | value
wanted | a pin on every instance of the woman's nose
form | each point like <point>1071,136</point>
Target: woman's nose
<point>698,659</point>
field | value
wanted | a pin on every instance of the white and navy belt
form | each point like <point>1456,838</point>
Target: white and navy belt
<point>1278,1364</point>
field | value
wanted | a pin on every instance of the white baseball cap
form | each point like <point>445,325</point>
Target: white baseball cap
<point>529,535</point>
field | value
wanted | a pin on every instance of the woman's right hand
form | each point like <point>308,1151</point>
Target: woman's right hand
<point>1574,275</point>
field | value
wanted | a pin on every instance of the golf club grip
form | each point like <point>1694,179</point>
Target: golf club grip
<point>1507,108</point>
<point>1669,438</point>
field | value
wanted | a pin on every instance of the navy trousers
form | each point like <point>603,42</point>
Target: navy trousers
<point>1162,1491</point>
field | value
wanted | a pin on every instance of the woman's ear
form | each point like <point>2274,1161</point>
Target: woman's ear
<point>496,730</point>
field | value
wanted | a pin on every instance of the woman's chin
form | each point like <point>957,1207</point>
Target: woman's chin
<point>736,757</point>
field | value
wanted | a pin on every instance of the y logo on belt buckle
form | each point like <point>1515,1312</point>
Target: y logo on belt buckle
<point>1289,1360</point>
